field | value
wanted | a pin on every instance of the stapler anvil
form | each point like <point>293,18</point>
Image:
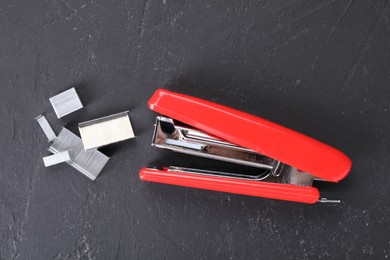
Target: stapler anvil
<point>288,161</point>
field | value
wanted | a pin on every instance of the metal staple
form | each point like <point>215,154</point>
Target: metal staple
<point>90,163</point>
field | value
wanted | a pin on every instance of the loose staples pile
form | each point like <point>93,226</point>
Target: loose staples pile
<point>82,153</point>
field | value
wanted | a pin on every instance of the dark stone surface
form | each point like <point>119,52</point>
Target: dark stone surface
<point>319,67</point>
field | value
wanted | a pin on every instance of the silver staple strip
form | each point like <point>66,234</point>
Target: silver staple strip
<point>106,130</point>
<point>66,102</point>
<point>56,158</point>
<point>189,145</point>
<point>42,121</point>
<point>90,163</point>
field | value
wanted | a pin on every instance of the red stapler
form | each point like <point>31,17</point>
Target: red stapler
<point>289,161</point>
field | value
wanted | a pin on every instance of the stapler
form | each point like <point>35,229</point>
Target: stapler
<point>288,161</point>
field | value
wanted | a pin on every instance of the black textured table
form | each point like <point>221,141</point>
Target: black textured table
<point>319,67</point>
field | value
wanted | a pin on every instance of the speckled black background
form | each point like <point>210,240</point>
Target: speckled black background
<point>319,67</point>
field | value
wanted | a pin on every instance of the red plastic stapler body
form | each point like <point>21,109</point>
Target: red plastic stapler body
<point>289,161</point>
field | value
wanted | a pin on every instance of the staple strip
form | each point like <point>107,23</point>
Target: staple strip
<point>56,158</point>
<point>106,130</point>
<point>189,145</point>
<point>42,121</point>
<point>66,102</point>
<point>90,163</point>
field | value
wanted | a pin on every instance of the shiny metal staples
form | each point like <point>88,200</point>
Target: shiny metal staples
<point>106,130</point>
<point>42,121</point>
<point>90,163</point>
<point>66,102</point>
<point>56,158</point>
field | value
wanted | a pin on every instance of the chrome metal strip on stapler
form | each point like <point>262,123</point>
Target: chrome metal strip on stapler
<point>178,137</point>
